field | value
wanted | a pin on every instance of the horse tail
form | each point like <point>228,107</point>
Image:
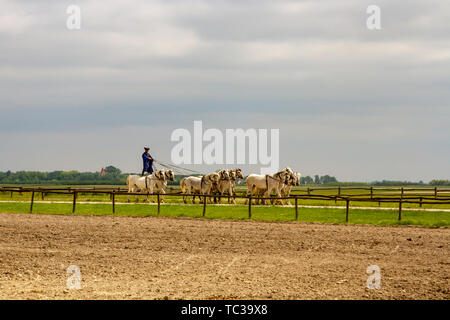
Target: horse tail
<point>182,185</point>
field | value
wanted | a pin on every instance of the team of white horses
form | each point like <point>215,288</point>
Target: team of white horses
<point>219,184</point>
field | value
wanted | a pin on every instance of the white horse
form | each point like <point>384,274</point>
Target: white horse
<point>132,186</point>
<point>293,180</point>
<point>160,185</point>
<point>237,175</point>
<point>269,182</point>
<point>198,185</point>
<point>148,184</point>
<point>229,186</point>
<point>225,184</point>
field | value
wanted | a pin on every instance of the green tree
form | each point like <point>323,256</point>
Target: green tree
<point>326,179</point>
<point>440,182</point>
<point>316,179</point>
<point>306,180</point>
<point>113,170</point>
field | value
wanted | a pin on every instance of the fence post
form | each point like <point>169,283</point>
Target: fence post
<point>400,210</point>
<point>250,206</point>
<point>402,193</point>
<point>42,195</point>
<point>32,200</point>
<point>113,196</point>
<point>338,195</point>
<point>296,208</point>
<point>11,194</point>
<point>371,193</point>
<point>309,192</point>
<point>157,196</point>
<point>435,192</point>
<point>204,205</point>
<point>74,201</point>
<point>347,209</point>
<point>421,199</point>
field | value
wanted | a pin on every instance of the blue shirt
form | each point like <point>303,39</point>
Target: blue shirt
<point>146,160</point>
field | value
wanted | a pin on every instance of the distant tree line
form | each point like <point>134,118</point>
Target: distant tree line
<point>440,182</point>
<point>395,183</point>
<point>326,179</point>
<point>112,176</point>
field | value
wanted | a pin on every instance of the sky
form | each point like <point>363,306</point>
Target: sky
<point>358,104</point>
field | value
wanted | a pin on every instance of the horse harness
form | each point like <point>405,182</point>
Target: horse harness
<point>149,177</point>
<point>269,176</point>
<point>201,183</point>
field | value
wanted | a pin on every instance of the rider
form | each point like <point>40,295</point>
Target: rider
<point>148,162</point>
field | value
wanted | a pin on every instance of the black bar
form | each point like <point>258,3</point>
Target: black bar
<point>250,207</point>
<point>74,201</point>
<point>157,196</point>
<point>113,202</point>
<point>32,201</point>
<point>204,205</point>
<point>346,213</point>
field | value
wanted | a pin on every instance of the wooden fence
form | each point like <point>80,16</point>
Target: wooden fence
<point>435,198</point>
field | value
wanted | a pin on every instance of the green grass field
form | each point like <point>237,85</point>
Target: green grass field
<point>266,213</point>
<point>91,197</point>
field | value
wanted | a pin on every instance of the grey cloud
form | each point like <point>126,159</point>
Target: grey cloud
<point>310,68</point>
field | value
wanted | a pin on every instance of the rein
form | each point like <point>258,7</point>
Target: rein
<point>201,182</point>
<point>176,168</point>
<point>268,175</point>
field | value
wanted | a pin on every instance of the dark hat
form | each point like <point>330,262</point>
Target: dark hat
<point>146,148</point>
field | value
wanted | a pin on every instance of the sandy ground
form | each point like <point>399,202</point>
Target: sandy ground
<point>181,258</point>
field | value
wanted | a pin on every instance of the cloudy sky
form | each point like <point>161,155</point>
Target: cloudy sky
<point>358,104</point>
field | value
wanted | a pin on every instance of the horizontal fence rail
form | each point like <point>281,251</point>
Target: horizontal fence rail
<point>113,192</point>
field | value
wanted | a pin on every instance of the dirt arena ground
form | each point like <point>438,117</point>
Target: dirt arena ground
<point>167,258</point>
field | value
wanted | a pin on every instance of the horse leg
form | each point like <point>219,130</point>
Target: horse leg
<point>219,197</point>
<point>253,193</point>
<point>278,201</point>
<point>208,192</point>
<point>267,195</point>
<point>130,190</point>
<point>246,194</point>
<point>288,203</point>
<point>230,195</point>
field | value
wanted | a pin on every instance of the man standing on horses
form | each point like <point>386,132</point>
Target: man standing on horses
<point>148,162</point>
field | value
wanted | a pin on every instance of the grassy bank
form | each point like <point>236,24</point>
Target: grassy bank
<point>91,197</point>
